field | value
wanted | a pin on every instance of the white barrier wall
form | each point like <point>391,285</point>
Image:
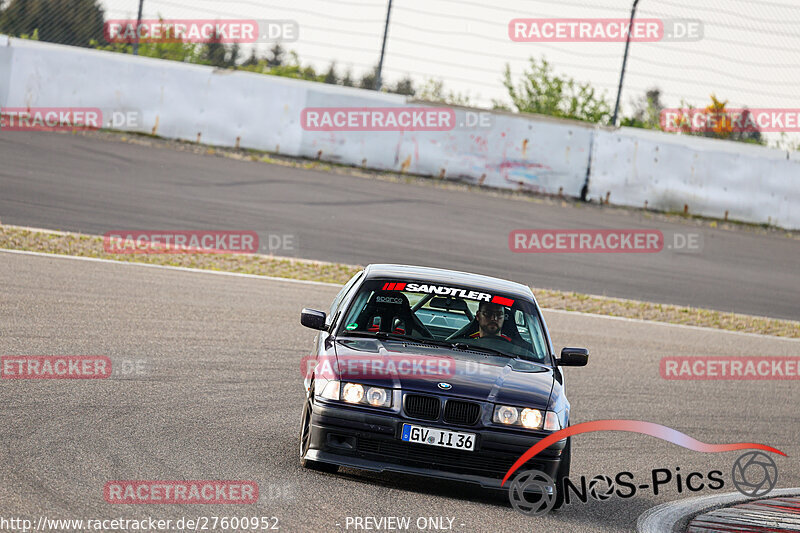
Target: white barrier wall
<point>176,100</point>
<point>512,152</point>
<point>750,182</point>
<point>180,101</point>
<point>5,68</point>
<point>539,154</point>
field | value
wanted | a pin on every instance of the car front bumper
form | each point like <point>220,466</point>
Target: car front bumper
<point>371,441</point>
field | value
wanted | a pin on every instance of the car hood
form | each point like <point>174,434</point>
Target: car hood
<point>422,368</point>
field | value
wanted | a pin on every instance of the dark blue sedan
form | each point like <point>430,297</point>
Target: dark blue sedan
<point>435,373</point>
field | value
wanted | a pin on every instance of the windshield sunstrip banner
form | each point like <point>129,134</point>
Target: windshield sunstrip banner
<point>448,291</point>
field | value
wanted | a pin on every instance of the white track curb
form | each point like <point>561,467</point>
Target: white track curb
<point>665,517</point>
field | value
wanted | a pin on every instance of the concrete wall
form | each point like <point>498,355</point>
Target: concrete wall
<point>539,154</point>
<point>750,182</point>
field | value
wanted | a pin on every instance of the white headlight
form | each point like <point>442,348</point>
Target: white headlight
<point>331,390</point>
<point>506,415</point>
<point>531,418</point>
<point>551,422</point>
<point>377,396</point>
<point>353,393</point>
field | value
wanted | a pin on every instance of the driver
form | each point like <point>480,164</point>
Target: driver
<point>490,321</point>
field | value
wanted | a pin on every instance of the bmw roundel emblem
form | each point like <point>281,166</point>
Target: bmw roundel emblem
<point>445,386</point>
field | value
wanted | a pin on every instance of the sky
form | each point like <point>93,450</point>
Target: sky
<point>749,54</point>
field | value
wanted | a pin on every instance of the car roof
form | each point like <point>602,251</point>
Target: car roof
<point>445,277</point>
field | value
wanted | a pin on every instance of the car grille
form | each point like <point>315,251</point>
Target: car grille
<point>461,413</point>
<point>424,407</point>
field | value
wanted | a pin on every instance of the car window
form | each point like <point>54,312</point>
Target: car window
<point>530,329</point>
<point>445,313</point>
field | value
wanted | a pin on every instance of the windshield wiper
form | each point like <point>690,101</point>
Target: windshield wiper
<point>384,335</point>
<point>465,346</point>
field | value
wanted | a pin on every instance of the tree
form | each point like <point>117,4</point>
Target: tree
<point>73,22</point>
<point>368,79</point>
<point>646,112</point>
<point>277,58</point>
<point>347,79</point>
<point>308,73</point>
<point>234,55</point>
<point>433,91</point>
<point>289,68</point>
<point>404,86</point>
<point>251,61</point>
<point>543,92</point>
<point>278,63</point>
<point>214,52</point>
<point>723,125</point>
<point>330,76</point>
<point>746,131</point>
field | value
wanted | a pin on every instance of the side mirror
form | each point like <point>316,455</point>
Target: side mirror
<point>311,318</point>
<point>573,357</point>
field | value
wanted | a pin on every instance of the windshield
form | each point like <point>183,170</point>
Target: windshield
<point>466,317</point>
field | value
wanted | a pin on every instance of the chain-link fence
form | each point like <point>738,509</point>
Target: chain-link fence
<point>744,54</point>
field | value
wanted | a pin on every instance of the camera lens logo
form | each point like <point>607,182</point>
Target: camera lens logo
<point>532,493</point>
<point>754,474</point>
<point>596,487</point>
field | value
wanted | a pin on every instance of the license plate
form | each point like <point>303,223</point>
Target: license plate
<point>438,437</point>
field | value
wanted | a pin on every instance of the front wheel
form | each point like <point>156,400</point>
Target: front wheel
<point>562,473</point>
<point>305,441</point>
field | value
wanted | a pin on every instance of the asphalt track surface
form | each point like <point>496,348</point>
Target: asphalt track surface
<point>94,186</point>
<point>221,393</point>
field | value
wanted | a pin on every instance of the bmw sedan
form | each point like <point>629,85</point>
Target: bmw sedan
<point>435,373</point>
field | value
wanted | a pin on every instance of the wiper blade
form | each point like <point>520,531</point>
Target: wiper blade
<point>384,335</point>
<point>380,335</point>
<point>358,334</point>
<point>465,346</point>
<point>397,337</point>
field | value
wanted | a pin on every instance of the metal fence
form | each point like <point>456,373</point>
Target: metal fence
<point>748,54</point>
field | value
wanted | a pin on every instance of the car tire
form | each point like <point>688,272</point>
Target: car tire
<point>305,439</point>
<point>562,473</point>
